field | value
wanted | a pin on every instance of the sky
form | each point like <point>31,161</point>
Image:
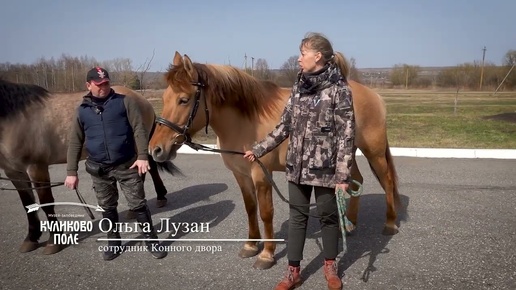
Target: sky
<point>376,33</point>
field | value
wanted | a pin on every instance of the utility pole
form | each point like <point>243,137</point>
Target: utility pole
<point>245,62</point>
<point>252,66</point>
<point>482,70</point>
<point>406,77</point>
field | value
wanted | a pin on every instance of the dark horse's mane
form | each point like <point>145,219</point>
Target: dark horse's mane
<point>15,98</point>
<point>227,85</point>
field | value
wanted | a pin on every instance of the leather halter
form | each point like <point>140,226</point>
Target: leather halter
<point>183,131</point>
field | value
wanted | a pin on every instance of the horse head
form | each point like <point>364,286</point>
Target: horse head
<point>182,99</point>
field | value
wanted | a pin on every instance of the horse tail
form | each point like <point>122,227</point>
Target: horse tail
<point>392,169</point>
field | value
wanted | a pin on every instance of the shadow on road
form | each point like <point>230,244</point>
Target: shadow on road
<point>185,197</point>
<point>366,241</point>
<point>213,213</point>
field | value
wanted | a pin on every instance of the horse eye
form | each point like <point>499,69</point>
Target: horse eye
<point>183,101</point>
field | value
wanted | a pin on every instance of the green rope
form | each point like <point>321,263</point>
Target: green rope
<point>342,197</point>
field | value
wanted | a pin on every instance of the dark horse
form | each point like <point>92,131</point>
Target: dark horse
<point>34,126</point>
<point>241,110</point>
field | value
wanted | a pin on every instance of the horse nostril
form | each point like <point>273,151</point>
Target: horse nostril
<point>157,151</point>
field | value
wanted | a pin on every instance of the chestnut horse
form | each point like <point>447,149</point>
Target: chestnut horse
<point>242,110</point>
<point>34,126</point>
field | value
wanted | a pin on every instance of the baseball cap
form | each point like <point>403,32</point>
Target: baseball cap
<point>97,75</point>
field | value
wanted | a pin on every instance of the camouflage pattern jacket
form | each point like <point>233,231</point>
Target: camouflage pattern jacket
<point>320,121</point>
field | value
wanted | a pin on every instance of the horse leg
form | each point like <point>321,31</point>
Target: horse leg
<point>30,243</point>
<point>386,176</point>
<point>246,185</point>
<point>354,202</point>
<point>160,188</point>
<point>40,177</point>
<point>265,203</point>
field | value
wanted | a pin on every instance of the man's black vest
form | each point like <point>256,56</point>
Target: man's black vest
<point>109,137</point>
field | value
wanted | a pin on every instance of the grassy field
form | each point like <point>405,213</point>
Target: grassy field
<point>424,118</point>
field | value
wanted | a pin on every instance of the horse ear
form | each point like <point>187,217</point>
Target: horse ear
<point>188,66</point>
<point>178,60</point>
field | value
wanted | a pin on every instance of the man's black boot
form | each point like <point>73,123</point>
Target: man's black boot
<point>114,247</point>
<point>143,217</point>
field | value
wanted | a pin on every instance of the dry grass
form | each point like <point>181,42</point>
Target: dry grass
<point>152,94</point>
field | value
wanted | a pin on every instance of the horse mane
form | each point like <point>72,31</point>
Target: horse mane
<point>15,98</point>
<point>226,85</point>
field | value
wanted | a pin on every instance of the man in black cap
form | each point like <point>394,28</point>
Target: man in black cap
<point>111,128</point>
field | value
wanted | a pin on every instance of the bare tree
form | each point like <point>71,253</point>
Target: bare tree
<point>5,71</point>
<point>510,58</point>
<point>142,70</point>
<point>510,63</point>
<point>289,71</point>
<point>353,71</point>
<point>67,73</point>
<point>462,76</point>
<point>404,74</point>
<point>122,71</point>
<point>262,70</point>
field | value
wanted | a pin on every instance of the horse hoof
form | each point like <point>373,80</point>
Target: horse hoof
<point>248,252</point>
<point>51,249</point>
<point>390,231</point>
<point>264,264</point>
<point>161,202</point>
<point>130,215</point>
<point>28,246</point>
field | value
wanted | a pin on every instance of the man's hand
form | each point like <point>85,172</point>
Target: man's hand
<point>143,166</point>
<point>341,186</point>
<point>71,181</point>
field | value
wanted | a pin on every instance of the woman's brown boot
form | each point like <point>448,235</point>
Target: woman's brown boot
<point>291,280</point>
<point>330,272</point>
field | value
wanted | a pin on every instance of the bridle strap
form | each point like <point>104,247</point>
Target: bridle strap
<point>183,131</point>
<point>207,114</point>
<point>169,124</point>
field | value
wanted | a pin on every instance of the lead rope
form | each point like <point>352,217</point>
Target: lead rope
<point>341,197</point>
<point>50,185</point>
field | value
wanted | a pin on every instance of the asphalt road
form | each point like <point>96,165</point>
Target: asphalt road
<point>459,232</point>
